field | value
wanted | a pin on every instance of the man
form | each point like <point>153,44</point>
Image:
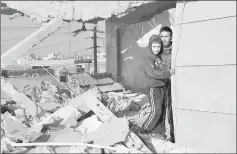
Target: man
<point>166,37</point>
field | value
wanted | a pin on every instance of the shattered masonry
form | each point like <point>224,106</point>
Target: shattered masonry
<point>58,118</point>
<point>99,119</point>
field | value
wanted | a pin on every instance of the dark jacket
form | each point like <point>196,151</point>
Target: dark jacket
<point>166,56</point>
<point>155,71</point>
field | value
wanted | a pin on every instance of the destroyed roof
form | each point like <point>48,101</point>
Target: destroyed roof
<point>90,11</point>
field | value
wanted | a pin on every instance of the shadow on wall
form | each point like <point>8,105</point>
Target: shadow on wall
<point>132,54</point>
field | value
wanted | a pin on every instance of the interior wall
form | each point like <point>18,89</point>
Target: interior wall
<point>133,42</point>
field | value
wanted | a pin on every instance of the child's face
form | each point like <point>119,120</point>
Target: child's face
<point>156,47</point>
<point>166,38</point>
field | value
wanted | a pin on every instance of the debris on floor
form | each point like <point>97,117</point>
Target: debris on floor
<point>102,119</point>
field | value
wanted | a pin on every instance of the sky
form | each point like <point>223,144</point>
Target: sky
<point>14,31</point>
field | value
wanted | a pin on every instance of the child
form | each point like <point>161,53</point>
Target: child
<point>156,74</point>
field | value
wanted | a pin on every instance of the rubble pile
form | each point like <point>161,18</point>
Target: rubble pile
<point>44,119</point>
<point>67,125</point>
<point>133,106</point>
<point>43,93</point>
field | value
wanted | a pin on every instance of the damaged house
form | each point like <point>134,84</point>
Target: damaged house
<point>203,54</point>
<point>204,108</point>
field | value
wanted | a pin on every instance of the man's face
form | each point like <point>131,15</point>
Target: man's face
<point>166,38</point>
<point>155,47</point>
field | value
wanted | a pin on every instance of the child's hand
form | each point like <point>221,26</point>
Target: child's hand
<point>172,71</point>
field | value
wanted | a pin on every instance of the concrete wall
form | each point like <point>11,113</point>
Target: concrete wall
<point>131,52</point>
<point>204,89</point>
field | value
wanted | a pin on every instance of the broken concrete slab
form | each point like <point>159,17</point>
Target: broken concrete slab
<point>79,102</point>
<point>19,98</point>
<point>67,114</point>
<point>112,132</point>
<point>102,112</point>
<point>11,126</point>
<point>16,130</point>
<point>90,124</point>
<point>50,106</point>
<point>66,135</point>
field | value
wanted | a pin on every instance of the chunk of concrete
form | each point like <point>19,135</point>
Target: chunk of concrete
<point>65,135</point>
<point>68,115</point>
<point>16,130</point>
<point>50,106</point>
<point>105,115</point>
<point>111,132</point>
<point>19,98</point>
<point>90,124</point>
<point>79,102</point>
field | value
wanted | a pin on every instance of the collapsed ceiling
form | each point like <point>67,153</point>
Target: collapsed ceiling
<point>91,11</point>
